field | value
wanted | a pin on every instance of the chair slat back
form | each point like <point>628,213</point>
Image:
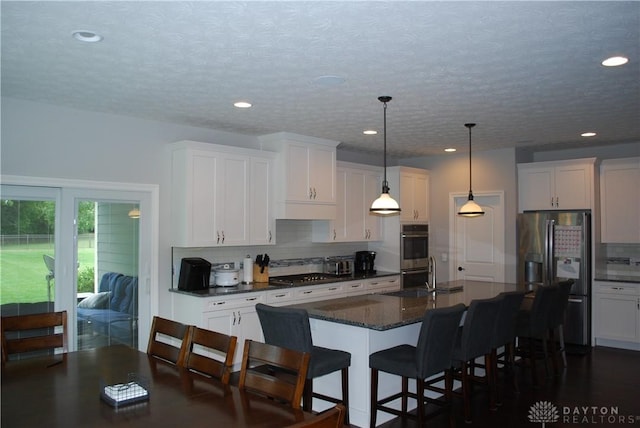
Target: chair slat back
<point>35,332</point>
<point>332,418</point>
<point>210,341</point>
<point>273,371</point>
<point>164,334</point>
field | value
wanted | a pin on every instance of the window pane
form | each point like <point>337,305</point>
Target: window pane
<point>107,288</point>
<point>27,244</point>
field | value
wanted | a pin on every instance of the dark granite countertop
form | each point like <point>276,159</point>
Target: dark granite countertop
<point>263,286</point>
<point>617,278</point>
<point>391,310</point>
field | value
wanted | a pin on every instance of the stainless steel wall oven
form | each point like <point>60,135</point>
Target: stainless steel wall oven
<point>414,255</point>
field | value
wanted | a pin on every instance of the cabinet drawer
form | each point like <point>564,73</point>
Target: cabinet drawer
<point>280,296</point>
<point>313,292</point>
<point>383,283</point>
<point>221,303</point>
<point>353,287</point>
<point>618,288</point>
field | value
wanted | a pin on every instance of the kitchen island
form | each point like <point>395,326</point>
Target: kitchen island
<point>365,324</point>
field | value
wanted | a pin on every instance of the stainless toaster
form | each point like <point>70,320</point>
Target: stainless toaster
<point>338,267</point>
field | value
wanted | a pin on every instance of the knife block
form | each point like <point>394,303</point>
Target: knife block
<point>260,277</point>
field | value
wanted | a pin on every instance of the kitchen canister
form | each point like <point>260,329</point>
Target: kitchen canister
<point>247,267</point>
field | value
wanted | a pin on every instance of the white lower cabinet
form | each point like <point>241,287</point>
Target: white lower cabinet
<point>617,314</point>
<point>236,314</point>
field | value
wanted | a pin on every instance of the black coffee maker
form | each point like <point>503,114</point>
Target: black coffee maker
<point>364,262</point>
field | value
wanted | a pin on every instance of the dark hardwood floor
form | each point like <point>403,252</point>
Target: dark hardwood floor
<point>592,386</point>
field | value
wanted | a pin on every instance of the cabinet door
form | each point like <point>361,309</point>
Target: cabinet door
<point>573,187</point>
<point>322,171</point>
<point>405,194</point>
<point>372,223</point>
<point>620,201</point>
<point>232,189</point>
<point>338,228</point>
<point>202,209</point>
<point>298,187</point>
<point>617,317</point>
<point>420,199</point>
<point>536,188</point>
<point>354,201</point>
<point>262,219</point>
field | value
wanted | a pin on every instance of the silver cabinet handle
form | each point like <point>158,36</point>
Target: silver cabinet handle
<point>269,236</point>
<point>552,202</point>
<point>239,317</point>
<point>223,236</point>
<point>234,318</point>
<point>310,193</point>
<point>218,237</point>
<point>334,234</point>
<point>314,193</point>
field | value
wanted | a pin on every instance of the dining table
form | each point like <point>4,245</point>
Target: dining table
<point>64,390</point>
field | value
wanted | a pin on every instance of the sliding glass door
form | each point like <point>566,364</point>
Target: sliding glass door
<point>81,250</point>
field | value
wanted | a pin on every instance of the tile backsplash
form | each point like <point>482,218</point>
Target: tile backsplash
<point>293,241</point>
<point>619,259</point>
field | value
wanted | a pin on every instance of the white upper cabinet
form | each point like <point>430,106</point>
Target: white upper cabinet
<point>356,187</point>
<point>410,187</point>
<point>558,185</point>
<point>217,198</point>
<point>305,176</point>
<point>620,201</point>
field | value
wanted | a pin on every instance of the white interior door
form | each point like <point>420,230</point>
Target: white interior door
<point>477,244</point>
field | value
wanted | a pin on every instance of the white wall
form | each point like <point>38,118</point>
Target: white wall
<point>492,170</point>
<point>40,140</point>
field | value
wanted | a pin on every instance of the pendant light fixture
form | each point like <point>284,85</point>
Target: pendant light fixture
<point>470,209</point>
<point>385,204</point>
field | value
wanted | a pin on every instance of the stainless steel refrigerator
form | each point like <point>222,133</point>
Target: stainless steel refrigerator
<point>553,246</point>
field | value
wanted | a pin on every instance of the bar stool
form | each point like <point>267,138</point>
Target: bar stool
<point>556,323</point>
<point>475,340</point>
<point>289,328</point>
<point>431,355</point>
<point>504,336</point>
<point>533,324</point>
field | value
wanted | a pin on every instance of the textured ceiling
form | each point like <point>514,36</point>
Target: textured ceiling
<point>528,73</point>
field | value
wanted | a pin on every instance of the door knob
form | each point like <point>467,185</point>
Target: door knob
<point>460,268</point>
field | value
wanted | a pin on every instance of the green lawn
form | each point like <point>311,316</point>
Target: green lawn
<point>23,272</point>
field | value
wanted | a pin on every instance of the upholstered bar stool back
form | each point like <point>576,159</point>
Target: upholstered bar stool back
<point>431,355</point>
<point>476,341</point>
<point>289,328</point>
<point>556,321</point>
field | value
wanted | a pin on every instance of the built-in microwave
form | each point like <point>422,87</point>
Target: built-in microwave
<point>414,246</point>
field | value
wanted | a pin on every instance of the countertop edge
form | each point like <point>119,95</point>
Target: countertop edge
<point>261,287</point>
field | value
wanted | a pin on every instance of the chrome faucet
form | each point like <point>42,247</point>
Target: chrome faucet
<point>431,274</point>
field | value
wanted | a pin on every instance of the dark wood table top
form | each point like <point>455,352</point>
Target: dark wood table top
<point>64,391</point>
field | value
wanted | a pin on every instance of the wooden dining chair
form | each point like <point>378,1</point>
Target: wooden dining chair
<point>332,418</point>
<point>201,341</point>
<point>33,332</point>
<point>273,371</point>
<point>163,340</point>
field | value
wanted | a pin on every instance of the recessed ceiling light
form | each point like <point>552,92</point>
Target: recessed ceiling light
<point>615,61</point>
<point>588,134</point>
<point>450,150</point>
<point>370,132</point>
<point>329,80</point>
<point>242,104</point>
<point>86,36</point>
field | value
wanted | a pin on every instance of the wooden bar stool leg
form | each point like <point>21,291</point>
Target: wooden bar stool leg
<point>420,400</point>
<point>405,394</point>
<point>307,395</point>
<point>374,398</point>
<point>345,393</point>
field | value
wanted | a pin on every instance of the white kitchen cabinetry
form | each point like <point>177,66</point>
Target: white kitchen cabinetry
<point>620,201</point>
<point>217,199</point>
<point>558,185</point>
<point>617,314</point>
<point>356,187</point>
<point>383,284</point>
<point>234,315</point>
<point>306,176</point>
<point>410,187</point>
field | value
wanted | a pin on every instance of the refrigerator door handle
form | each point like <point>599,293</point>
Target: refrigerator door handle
<point>549,244</point>
<point>575,300</point>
